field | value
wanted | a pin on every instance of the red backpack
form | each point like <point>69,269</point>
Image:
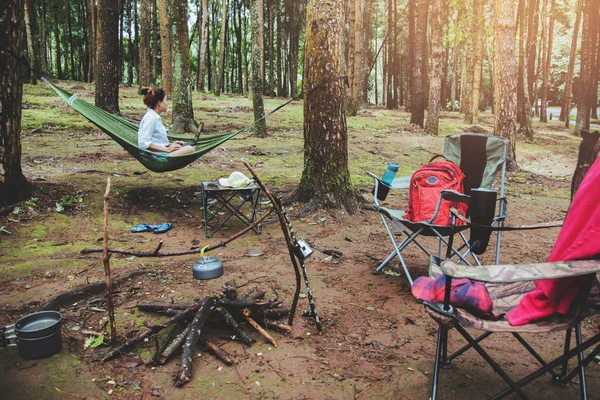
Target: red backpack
<point>426,186</point>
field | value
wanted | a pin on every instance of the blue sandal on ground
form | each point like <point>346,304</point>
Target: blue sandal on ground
<point>162,228</point>
<point>143,228</point>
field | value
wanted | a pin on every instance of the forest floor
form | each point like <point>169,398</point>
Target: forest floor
<point>377,341</point>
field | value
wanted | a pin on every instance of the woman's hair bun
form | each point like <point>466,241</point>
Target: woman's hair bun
<point>144,90</point>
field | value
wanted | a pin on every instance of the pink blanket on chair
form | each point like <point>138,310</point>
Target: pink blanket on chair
<point>578,239</point>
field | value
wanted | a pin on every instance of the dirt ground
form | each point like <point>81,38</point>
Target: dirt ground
<point>377,341</point>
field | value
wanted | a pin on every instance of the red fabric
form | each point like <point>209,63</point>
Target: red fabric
<point>578,239</point>
<point>464,293</point>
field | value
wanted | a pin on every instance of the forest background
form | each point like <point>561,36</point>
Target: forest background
<point>516,56</point>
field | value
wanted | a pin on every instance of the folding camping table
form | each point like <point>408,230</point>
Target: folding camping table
<point>220,204</point>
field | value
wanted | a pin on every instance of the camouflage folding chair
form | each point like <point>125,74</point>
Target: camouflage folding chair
<point>506,285</point>
<point>481,158</point>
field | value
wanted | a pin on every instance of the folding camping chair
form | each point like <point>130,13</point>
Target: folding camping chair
<point>506,285</point>
<point>480,157</point>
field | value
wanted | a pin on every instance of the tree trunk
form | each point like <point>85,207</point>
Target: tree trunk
<point>58,49</point>
<point>505,76</point>
<point>44,38</point>
<point>437,55</point>
<point>294,44</point>
<point>221,69</point>
<point>260,127</point>
<point>32,40</point>
<point>130,52</point>
<point>156,69</point>
<point>91,45</point>
<point>565,111</point>
<point>369,53</point>
<point>359,54</point>
<point>466,91</point>
<point>419,75</point>
<point>325,180</point>
<point>595,72</point>
<point>183,113</point>
<point>525,104</point>
<point>454,80</point>
<point>478,26</point>
<point>532,30</point>
<point>546,56</point>
<point>237,22</point>
<point>107,72</point>
<point>521,67</point>
<point>271,48</point>
<point>280,47</point>
<point>203,47</point>
<point>412,40</point>
<point>165,45</point>
<point>588,43</point>
<point>144,76</point>
<point>13,185</point>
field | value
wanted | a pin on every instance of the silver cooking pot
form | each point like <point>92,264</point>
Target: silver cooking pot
<point>36,335</point>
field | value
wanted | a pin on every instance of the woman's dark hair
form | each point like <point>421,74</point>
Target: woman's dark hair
<point>153,96</point>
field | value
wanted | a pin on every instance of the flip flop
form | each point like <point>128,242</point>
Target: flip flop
<point>162,228</point>
<point>143,228</point>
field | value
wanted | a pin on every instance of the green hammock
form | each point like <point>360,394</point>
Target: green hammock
<point>125,133</point>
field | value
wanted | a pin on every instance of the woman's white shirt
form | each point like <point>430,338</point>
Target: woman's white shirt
<point>152,131</point>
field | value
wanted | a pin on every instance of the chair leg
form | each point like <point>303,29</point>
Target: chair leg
<point>582,383</point>
<point>514,386</point>
<point>389,258</point>
<point>439,353</point>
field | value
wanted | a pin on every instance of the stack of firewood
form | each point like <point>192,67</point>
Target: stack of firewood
<point>191,321</point>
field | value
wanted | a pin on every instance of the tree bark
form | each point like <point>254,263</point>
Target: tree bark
<point>295,19</point>
<point>532,33</point>
<point>359,56</point>
<point>478,26</point>
<point>32,41</point>
<point>91,44</point>
<point>145,22</point>
<point>546,56</point>
<point>325,180</point>
<point>13,63</point>
<point>130,51</point>
<point>164,7</point>
<point>524,107</point>
<point>437,54</point>
<point>412,40</point>
<point>221,73</point>
<point>466,88</point>
<point>588,44</point>
<point>505,76</point>
<point>260,127</point>
<point>203,47</point>
<point>419,75</point>
<point>107,72</point>
<point>58,48</point>
<point>154,71</point>
<point>565,111</point>
<point>183,113</point>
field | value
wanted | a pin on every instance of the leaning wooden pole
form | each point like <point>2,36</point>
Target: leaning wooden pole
<point>107,274</point>
<point>288,240</point>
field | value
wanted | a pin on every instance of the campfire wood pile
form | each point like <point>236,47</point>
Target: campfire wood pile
<point>197,322</point>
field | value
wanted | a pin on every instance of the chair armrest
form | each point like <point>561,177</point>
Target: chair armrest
<point>453,195</point>
<point>521,272</point>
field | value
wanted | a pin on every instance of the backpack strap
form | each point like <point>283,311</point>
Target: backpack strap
<point>437,156</point>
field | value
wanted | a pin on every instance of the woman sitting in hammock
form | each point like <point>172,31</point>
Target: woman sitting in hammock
<point>152,134</point>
